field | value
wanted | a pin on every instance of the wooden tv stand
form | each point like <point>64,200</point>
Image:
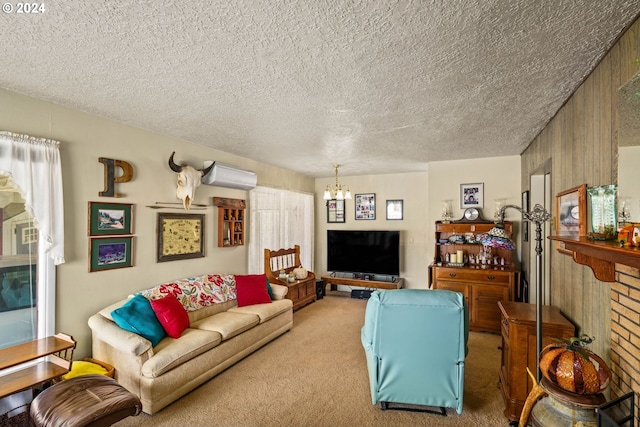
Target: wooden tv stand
<point>335,281</point>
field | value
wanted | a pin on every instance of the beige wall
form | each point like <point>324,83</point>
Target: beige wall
<point>85,138</point>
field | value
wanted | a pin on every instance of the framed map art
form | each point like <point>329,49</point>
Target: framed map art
<point>180,236</point>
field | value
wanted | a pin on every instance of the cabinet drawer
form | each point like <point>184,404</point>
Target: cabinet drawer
<point>455,287</point>
<point>467,228</point>
<point>474,276</point>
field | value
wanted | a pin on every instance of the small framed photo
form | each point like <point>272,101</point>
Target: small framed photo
<point>107,253</point>
<point>180,236</point>
<point>335,211</point>
<point>571,214</point>
<point>472,195</point>
<point>110,219</point>
<point>366,206</point>
<point>394,209</point>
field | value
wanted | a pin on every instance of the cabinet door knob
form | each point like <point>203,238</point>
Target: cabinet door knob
<point>491,277</point>
<point>452,274</point>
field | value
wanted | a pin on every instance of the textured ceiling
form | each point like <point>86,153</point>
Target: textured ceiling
<point>379,86</point>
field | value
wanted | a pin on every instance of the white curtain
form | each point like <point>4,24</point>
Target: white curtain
<point>34,166</point>
<point>280,219</point>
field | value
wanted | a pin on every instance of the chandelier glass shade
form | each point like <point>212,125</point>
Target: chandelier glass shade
<point>337,191</point>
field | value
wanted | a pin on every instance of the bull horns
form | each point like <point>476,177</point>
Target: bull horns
<point>178,168</point>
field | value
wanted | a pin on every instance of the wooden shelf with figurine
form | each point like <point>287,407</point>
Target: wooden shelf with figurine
<point>230,221</point>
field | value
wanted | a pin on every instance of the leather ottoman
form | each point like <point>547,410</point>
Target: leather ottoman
<point>88,400</point>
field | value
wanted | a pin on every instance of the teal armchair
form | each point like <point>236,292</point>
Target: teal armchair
<point>415,343</point>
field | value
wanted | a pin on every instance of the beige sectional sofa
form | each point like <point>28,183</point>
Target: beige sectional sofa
<point>220,333</point>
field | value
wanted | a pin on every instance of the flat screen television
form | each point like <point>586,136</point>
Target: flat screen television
<point>367,252</point>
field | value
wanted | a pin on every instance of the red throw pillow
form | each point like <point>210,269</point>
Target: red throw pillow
<point>252,289</point>
<point>171,315</point>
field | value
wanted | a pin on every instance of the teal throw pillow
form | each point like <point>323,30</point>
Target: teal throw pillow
<point>269,290</point>
<point>137,316</point>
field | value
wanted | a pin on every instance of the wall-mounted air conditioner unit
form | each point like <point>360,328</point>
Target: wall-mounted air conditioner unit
<point>229,176</point>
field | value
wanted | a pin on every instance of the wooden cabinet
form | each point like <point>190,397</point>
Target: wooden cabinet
<point>230,221</point>
<point>59,352</point>
<point>301,291</point>
<point>482,284</point>
<point>482,288</point>
<point>456,236</point>
<point>518,326</point>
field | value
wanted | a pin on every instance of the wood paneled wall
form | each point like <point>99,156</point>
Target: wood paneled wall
<point>579,145</point>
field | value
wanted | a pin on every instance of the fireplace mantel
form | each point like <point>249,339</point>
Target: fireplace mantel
<point>600,256</point>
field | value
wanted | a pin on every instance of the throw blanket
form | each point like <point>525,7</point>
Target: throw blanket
<point>197,292</point>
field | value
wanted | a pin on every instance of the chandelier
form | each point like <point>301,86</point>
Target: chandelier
<point>337,191</point>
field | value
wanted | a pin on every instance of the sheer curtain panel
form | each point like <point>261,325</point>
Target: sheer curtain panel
<point>280,219</point>
<point>34,166</point>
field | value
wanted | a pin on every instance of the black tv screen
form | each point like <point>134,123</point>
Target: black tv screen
<point>367,252</point>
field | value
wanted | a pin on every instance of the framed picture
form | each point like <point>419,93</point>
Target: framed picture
<point>394,209</point>
<point>471,195</point>
<point>525,223</point>
<point>571,214</point>
<point>180,236</point>
<point>110,219</point>
<point>106,253</point>
<point>335,211</point>
<point>366,206</point>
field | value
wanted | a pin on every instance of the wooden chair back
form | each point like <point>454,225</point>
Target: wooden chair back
<point>282,259</point>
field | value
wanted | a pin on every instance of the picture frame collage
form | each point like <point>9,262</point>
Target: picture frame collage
<point>365,209</point>
<point>110,230</point>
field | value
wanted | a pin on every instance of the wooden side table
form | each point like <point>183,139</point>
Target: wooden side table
<point>55,354</point>
<point>519,348</point>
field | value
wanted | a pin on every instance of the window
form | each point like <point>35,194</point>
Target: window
<point>18,263</point>
<point>32,244</point>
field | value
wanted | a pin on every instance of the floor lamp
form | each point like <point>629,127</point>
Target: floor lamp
<point>497,238</point>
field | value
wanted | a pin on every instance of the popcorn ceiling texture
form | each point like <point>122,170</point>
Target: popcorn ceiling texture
<point>379,86</point>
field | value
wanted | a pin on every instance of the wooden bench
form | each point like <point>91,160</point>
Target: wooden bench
<point>301,292</point>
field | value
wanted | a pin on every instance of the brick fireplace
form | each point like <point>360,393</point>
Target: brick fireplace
<point>625,333</point>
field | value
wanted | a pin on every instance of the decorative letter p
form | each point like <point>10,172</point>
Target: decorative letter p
<point>110,177</point>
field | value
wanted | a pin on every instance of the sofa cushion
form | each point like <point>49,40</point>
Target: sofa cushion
<point>137,316</point>
<point>265,311</point>
<point>171,315</point>
<point>200,314</point>
<point>228,324</point>
<point>252,289</point>
<point>172,352</point>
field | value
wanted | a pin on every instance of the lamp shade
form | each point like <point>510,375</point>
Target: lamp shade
<point>497,237</point>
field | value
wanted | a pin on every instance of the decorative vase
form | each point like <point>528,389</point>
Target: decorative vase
<point>570,366</point>
<point>603,212</point>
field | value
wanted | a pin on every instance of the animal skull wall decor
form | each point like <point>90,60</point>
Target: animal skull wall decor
<point>189,178</point>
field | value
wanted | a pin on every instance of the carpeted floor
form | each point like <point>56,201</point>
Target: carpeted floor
<point>316,375</point>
